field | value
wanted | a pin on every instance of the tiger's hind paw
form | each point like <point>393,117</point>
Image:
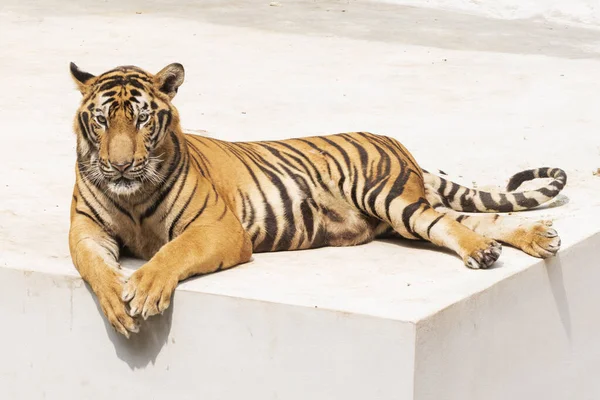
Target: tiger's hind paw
<point>484,258</point>
<point>540,240</point>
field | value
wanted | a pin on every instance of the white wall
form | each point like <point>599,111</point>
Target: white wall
<point>55,344</point>
<point>532,336</point>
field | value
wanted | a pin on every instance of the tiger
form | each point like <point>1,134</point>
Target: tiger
<point>192,205</point>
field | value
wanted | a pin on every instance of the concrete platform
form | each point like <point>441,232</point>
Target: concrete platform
<point>478,97</point>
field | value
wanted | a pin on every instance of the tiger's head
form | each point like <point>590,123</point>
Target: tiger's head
<point>122,123</point>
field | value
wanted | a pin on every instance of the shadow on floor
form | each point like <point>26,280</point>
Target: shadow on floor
<point>143,347</point>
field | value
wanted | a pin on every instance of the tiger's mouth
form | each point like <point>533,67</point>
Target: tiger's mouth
<point>124,186</point>
<point>124,183</point>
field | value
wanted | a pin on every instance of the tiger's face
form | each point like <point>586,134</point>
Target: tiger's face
<point>121,125</point>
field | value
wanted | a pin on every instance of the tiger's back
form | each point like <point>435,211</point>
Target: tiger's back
<point>309,192</point>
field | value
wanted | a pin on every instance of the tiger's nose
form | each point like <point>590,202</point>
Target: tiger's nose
<point>121,167</point>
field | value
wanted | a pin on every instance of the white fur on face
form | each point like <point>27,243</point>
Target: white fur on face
<point>124,189</point>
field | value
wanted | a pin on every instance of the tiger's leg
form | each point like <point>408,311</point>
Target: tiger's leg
<point>413,217</point>
<point>418,220</point>
<point>211,241</point>
<point>199,250</point>
<point>95,255</point>
<point>537,239</point>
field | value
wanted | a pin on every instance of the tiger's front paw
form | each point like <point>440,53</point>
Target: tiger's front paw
<point>108,291</point>
<point>148,291</point>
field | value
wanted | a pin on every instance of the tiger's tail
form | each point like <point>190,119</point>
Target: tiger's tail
<point>443,192</point>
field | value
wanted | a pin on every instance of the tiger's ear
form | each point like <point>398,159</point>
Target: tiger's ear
<point>169,79</point>
<point>82,79</point>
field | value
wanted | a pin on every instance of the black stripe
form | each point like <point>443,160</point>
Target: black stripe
<point>121,208</point>
<point>404,154</point>
<point>435,221</point>
<point>181,211</point>
<point>354,188</point>
<point>87,186</point>
<point>383,163</point>
<point>320,238</point>
<point>244,211</point>
<point>289,229</point>
<point>466,201</point>
<point>136,83</point>
<point>277,154</point>
<point>254,238</point>
<point>519,178</point>
<point>374,194</point>
<point>441,191</point>
<point>376,182</point>
<point>307,217</point>
<point>403,175</point>
<point>333,216</point>
<point>287,166</point>
<point>270,221</point>
<point>252,215</point>
<point>204,169</point>
<point>307,163</point>
<point>346,160</point>
<point>453,191</point>
<point>112,252</point>
<point>548,192</point>
<point>335,161</point>
<point>111,84</point>
<point>99,220</point>
<point>224,212</point>
<point>394,147</point>
<point>543,172</point>
<point>131,76</point>
<point>409,211</point>
<point>83,126</point>
<point>200,211</point>
<point>442,188</point>
<point>105,78</point>
<point>398,186</point>
<point>78,211</point>
<point>364,161</point>
<point>162,115</point>
<point>524,201</point>
<point>183,179</point>
<point>504,205</point>
<point>166,189</point>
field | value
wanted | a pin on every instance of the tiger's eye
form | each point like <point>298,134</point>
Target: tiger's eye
<point>101,120</point>
<point>143,118</point>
